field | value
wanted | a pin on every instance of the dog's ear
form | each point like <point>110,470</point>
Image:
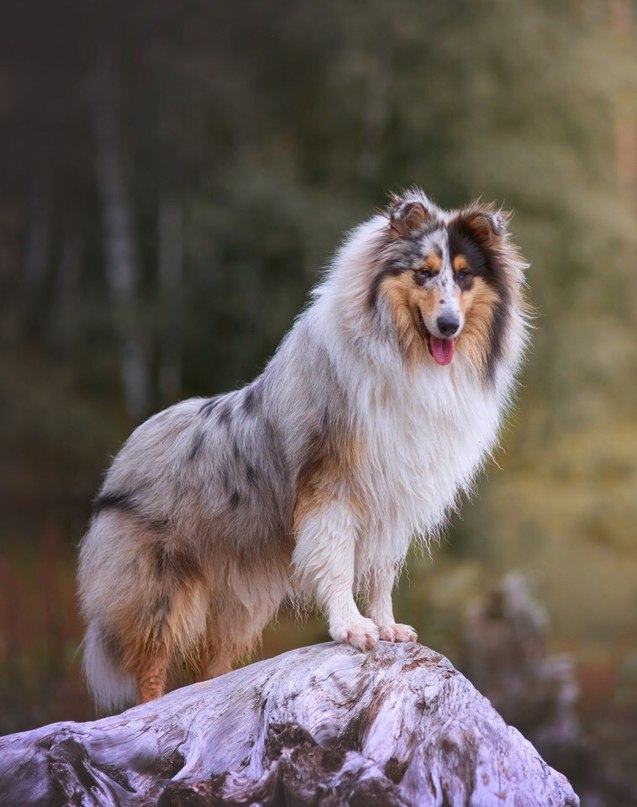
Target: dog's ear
<point>486,224</point>
<point>407,216</point>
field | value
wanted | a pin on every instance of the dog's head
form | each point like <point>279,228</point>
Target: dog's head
<point>446,279</point>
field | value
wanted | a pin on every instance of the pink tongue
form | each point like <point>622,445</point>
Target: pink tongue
<point>441,349</point>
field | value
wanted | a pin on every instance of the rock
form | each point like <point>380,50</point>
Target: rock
<point>322,725</point>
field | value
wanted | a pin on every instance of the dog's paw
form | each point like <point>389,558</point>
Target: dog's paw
<point>362,634</point>
<point>397,633</point>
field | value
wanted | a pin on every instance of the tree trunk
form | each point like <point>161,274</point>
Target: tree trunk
<point>38,246</point>
<point>37,258</point>
<point>68,281</point>
<point>322,725</point>
<point>123,263</point>
<point>506,639</point>
<point>170,249</point>
<point>507,658</point>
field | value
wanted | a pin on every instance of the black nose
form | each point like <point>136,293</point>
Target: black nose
<point>448,324</point>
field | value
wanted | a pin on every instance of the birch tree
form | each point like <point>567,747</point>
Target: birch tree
<point>121,248</point>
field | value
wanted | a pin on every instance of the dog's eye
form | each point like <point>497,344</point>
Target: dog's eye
<point>425,274</point>
<point>462,275</point>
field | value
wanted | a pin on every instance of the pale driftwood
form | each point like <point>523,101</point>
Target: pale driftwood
<point>322,725</point>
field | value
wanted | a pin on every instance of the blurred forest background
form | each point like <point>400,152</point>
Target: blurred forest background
<point>173,178</point>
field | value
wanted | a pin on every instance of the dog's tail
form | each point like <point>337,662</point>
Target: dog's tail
<point>111,687</point>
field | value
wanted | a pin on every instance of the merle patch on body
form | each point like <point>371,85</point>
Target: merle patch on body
<point>179,564</point>
<point>115,501</point>
<point>196,445</point>
<point>251,475</point>
<point>225,415</point>
<point>251,398</point>
<point>210,405</point>
<point>129,503</point>
<point>225,477</point>
<point>273,448</point>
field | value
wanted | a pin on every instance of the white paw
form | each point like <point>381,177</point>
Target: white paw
<point>397,633</point>
<point>362,634</point>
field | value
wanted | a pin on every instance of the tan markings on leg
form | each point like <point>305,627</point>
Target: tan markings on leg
<point>146,653</point>
<point>153,603</point>
<point>477,305</point>
<point>327,467</point>
<point>160,628</point>
<point>151,678</point>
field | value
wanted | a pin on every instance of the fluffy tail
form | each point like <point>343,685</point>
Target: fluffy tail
<point>111,687</point>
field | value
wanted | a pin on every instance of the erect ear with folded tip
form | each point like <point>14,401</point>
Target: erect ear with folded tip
<point>487,225</point>
<point>405,217</point>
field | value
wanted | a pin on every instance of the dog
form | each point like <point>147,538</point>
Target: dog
<point>373,416</point>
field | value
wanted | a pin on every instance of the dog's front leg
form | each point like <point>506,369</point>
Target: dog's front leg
<point>324,567</point>
<point>380,609</point>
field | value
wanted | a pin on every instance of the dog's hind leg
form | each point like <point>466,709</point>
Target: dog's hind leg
<point>150,675</point>
<point>164,638</point>
<point>143,590</point>
<point>159,633</point>
<point>247,601</point>
<point>166,629</point>
<point>213,655</point>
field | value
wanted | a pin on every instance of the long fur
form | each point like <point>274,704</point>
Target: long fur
<point>311,481</point>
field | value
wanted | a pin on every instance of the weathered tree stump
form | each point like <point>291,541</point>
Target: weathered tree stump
<point>323,725</point>
<point>507,658</point>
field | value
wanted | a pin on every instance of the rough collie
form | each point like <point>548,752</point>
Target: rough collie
<point>376,411</point>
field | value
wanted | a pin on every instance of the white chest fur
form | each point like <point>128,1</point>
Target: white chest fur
<point>425,438</point>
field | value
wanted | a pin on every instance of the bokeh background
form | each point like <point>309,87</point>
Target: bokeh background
<point>173,178</point>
